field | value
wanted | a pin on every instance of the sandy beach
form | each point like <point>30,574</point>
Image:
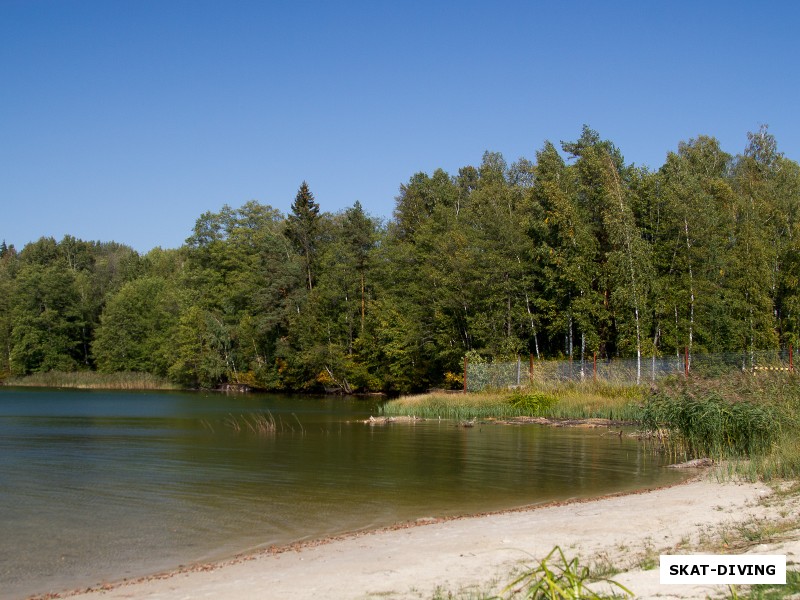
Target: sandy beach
<point>479,554</point>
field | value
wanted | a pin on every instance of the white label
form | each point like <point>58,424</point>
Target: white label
<point>722,568</point>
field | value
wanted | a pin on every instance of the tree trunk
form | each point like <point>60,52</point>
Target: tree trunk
<point>691,288</point>
<point>629,252</point>
<point>363,303</point>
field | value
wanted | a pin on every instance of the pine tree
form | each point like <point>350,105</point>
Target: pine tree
<point>302,228</point>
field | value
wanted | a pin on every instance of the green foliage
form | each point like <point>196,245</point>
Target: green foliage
<point>557,578</point>
<point>532,402</point>
<point>302,228</point>
<point>560,257</point>
<point>136,326</point>
<point>47,323</point>
<point>200,349</point>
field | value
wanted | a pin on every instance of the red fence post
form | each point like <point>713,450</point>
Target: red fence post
<point>530,370</point>
<point>791,359</point>
<point>465,374</point>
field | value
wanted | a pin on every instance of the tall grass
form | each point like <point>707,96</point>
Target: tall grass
<point>574,400</point>
<point>257,423</point>
<point>750,421</point>
<point>712,426</point>
<point>93,380</point>
<point>479,405</point>
<point>261,424</point>
<point>555,401</point>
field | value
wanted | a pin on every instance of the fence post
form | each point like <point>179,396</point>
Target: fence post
<point>594,366</point>
<point>791,359</point>
<point>530,370</point>
<point>465,374</point>
<point>686,362</point>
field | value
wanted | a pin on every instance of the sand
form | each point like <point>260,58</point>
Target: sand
<point>479,554</point>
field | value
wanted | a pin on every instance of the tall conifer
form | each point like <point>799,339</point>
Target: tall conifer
<point>302,228</point>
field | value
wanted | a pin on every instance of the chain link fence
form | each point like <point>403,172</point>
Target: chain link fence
<point>485,375</point>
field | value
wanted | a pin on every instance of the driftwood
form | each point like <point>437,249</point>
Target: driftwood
<point>697,463</point>
<point>234,387</point>
<point>343,386</point>
<point>372,421</point>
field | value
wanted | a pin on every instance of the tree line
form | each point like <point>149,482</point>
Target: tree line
<point>574,253</point>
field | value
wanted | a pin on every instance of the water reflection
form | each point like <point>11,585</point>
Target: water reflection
<point>98,485</point>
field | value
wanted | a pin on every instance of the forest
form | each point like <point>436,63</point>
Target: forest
<point>574,253</point>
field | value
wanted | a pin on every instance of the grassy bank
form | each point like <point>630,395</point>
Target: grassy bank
<point>554,401</point>
<point>749,423</point>
<point>89,380</point>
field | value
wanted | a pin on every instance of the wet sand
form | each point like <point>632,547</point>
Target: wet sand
<point>480,552</point>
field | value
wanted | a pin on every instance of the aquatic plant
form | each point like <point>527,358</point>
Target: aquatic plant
<point>262,424</point>
<point>712,426</point>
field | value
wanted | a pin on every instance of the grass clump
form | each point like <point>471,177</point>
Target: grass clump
<point>557,578</point>
<point>532,402</point>
<point>260,424</point>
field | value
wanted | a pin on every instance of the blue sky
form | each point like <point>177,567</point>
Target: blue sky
<point>125,120</point>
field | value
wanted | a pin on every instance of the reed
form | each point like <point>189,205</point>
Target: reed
<point>260,424</point>
<point>93,380</point>
<point>751,423</point>
<point>595,400</point>
<point>479,405</point>
<point>556,401</point>
<point>712,426</point>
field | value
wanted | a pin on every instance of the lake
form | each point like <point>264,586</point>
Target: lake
<point>98,485</point>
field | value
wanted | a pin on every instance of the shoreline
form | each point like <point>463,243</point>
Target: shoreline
<point>414,559</point>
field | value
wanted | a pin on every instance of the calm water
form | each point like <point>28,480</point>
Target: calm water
<point>105,485</point>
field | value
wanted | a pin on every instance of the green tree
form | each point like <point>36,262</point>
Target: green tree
<point>200,348</point>
<point>241,268</point>
<point>302,228</point>
<point>8,267</point>
<point>137,323</point>
<point>567,284</point>
<point>46,321</point>
<point>629,262</point>
<point>756,253</point>
<point>360,233</point>
<point>691,247</point>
